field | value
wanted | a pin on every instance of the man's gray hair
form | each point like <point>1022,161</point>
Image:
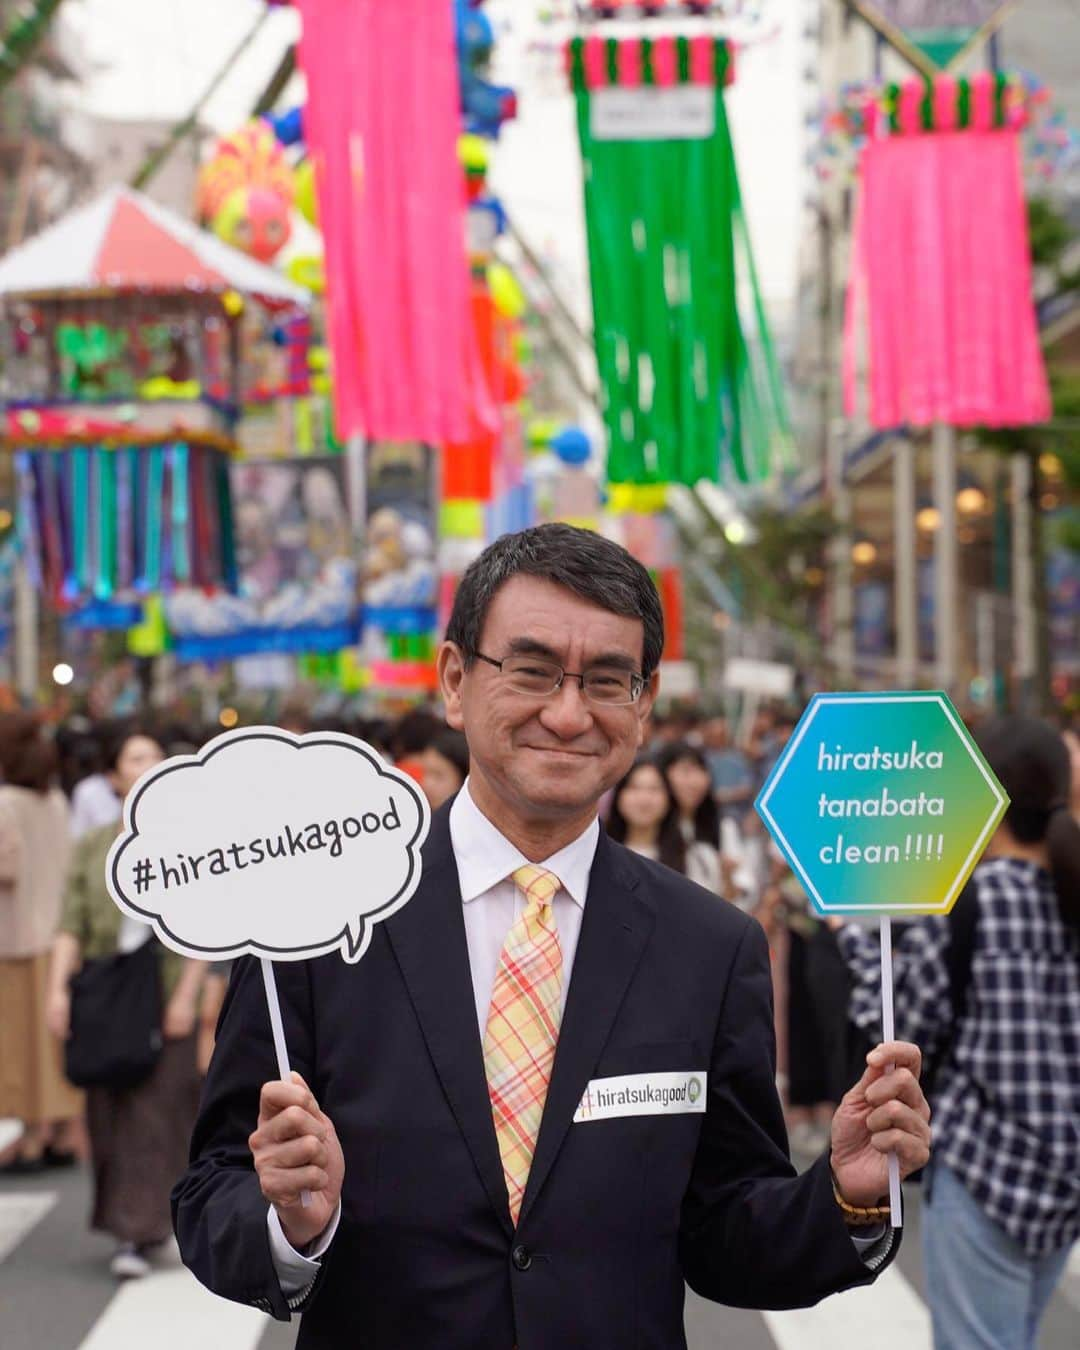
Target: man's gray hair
<point>591,566</point>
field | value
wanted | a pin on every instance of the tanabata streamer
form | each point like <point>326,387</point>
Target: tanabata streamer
<point>99,521</point>
<point>940,294</point>
<point>691,386</point>
<point>381,124</point>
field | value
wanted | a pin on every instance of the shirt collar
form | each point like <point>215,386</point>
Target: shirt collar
<point>485,857</point>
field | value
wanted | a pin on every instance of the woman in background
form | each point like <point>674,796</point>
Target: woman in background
<point>687,772</point>
<point>644,816</point>
<point>1003,1035</point>
<point>34,850</point>
<point>138,1136</point>
<point>444,766</point>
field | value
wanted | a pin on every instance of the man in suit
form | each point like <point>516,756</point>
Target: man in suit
<point>544,1100</point>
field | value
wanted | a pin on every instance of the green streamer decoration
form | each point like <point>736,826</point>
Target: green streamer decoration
<point>691,388</point>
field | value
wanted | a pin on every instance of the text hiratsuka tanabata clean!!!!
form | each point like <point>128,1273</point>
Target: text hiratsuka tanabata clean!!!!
<point>289,842</point>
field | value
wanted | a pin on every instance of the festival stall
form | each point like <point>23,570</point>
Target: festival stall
<point>132,340</point>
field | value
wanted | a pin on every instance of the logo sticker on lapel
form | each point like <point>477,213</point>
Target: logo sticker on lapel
<point>644,1094</point>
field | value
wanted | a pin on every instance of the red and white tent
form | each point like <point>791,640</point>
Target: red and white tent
<point>125,243</point>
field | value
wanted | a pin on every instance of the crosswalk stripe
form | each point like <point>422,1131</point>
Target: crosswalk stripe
<point>10,1132</point>
<point>172,1311</point>
<point>1070,1282</point>
<point>18,1215</point>
<point>900,1319</point>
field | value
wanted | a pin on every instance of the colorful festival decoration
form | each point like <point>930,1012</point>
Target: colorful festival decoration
<point>123,515</point>
<point>691,386</point>
<point>841,126</point>
<point>245,191</point>
<point>398,567</point>
<point>962,348</point>
<point>381,126</point>
<point>297,579</point>
<point>127,363</point>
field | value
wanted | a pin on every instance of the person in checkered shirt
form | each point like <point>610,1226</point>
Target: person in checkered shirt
<point>1003,1189</point>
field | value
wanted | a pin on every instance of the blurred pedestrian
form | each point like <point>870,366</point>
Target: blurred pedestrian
<point>444,767</point>
<point>644,816</point>
<point>411,737</point>
<point>94,802</point>
<point>687,773</point>
<point>992,994</point>
<point>138,1135</point>
<point>34,850</point>
<point>729,767</point>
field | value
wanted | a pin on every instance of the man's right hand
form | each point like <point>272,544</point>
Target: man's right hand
<point>296,1149</point>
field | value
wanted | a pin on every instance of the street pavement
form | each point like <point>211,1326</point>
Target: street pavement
<point>56,1294</point>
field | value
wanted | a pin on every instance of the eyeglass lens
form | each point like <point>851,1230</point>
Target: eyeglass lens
<point>602,684</point>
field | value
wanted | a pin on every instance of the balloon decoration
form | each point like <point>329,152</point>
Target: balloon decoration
<point>485,106</point>
<point>963,347</point>
<point>307,202</point>
<point>691,386</point>
<point>246,189</point>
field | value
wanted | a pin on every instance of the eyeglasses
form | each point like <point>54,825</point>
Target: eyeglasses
<point>609,685</point>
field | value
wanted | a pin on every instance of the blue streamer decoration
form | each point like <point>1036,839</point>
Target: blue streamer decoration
<point>155,505</point>
<point>180,481</point>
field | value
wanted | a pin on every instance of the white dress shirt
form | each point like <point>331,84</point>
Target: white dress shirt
<point>491,904</point>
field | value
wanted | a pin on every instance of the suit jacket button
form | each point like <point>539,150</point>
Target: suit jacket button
<point>521,1257</point>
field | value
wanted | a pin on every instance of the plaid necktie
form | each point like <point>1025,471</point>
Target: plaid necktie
<point>522,1028</point>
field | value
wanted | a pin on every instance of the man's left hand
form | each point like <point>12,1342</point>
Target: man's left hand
<point>885,1112</point>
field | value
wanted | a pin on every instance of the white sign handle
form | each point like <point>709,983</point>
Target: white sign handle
<point>889,1033</point>
<point>280,1048</point>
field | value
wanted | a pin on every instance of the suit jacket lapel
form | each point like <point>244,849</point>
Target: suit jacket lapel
<point>428,938</point>
<point>615,929</point>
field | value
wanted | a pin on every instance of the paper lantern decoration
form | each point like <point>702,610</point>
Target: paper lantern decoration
<point>246,189</point>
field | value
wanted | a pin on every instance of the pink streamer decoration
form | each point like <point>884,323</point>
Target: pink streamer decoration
<point>961,346</point>
<point>381,123</point>
<point>945,109</point>
<point>629,58</point>
<point>702,60</point>
<point>595,63</point>
<point>911,95</point>
<point>665,67</point>
<point>982,101</point>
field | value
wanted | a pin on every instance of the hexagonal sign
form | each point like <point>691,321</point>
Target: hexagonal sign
<point>882,803</point>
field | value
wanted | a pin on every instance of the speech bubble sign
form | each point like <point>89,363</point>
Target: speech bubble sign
<point>271,845</point>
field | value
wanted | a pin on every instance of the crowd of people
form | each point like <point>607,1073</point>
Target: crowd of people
<point>1005,1031</point>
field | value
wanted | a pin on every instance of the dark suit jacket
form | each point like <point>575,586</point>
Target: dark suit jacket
<point>618,1213</point>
